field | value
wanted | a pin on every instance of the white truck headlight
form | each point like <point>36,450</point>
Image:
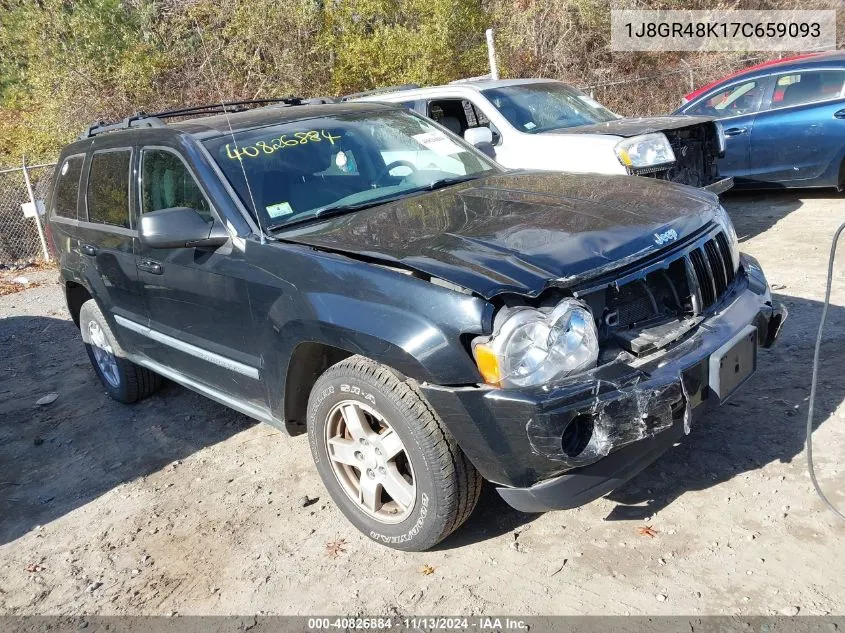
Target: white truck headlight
<point>647,150</point>
<point>724,220</point>
<point>533,347</point>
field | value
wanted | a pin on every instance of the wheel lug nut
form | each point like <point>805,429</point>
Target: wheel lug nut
<point>382,470</point>
<point>363,441</point>
<point>359,455</point>
<point>378,452</point>
<point>370,473</point>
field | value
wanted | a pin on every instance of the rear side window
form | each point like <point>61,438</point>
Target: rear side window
<point>806,87</point>
<point>67,188</point>
<point>108,188</point>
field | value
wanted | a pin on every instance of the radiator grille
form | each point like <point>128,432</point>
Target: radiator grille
<point>712,269</point>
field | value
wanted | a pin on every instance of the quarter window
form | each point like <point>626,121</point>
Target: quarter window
<point>168,183</point>
<point>798,88</point>
<point>67,188</point>
<point>108,188</point>
<point>738,99</point>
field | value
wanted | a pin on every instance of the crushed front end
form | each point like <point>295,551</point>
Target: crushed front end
<point>677,333</point>
<point>697,149</point>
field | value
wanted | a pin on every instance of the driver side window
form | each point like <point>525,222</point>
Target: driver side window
<point>735,100</point>
<point>166,182</point>
<point>459,115</point>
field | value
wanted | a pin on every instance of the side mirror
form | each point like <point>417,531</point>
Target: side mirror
<point>477,135</point>
<point>482,139</point>
<point>180,227</point>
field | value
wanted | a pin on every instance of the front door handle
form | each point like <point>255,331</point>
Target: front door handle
<point>150,266</point>
<point>839,114</point>
<point>88,249</point>
<point>735,131</point>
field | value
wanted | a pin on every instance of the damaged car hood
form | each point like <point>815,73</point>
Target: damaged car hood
<point>518,232</point>
<point>633,127</point>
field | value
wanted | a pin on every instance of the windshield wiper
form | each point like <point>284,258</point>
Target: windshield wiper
<point>446,182</point>
<point>327,212</point>
<point>340,209</point>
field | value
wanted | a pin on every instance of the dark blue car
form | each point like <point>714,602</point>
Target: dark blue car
<point>784,122</point>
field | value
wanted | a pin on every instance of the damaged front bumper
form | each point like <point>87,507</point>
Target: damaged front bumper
<point>565,444</point>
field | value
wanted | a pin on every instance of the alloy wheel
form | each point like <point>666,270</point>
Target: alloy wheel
<point>370,462</point>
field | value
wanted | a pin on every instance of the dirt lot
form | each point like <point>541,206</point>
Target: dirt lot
<point>180,505</point>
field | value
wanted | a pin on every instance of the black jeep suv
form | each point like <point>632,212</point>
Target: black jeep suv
<point>431,320</point>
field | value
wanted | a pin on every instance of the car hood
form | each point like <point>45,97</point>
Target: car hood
<point>520,231</point>
<point>634,127</point>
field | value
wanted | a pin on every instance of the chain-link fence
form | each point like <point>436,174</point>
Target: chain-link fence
<point>20,237</point>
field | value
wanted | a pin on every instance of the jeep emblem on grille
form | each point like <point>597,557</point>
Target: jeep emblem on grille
<point>663,238</point>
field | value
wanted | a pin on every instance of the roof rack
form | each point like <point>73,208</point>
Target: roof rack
<point>144,120</point>
<point>469,80</point>
<point>379,91</point>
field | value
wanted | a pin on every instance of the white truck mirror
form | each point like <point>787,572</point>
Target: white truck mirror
<point>478,135</point>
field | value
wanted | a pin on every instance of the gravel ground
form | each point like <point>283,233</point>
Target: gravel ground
<point>178,505</point>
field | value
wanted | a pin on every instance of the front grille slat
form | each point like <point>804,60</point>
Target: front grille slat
<point>711,266</point>
<point>717,265</point>
<point>727,256</point>
<point>704,278</point>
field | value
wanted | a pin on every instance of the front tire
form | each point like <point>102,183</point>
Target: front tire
<point>385,457</point>
<point>124,380</point>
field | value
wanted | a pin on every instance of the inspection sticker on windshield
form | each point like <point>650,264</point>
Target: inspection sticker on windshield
<point>437,142</point>
<point>278,210</point>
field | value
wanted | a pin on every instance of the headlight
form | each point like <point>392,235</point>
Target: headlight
<point>724,220</point>
<point>720,134</point>
<point>533,347</point>
<point>647,150</point>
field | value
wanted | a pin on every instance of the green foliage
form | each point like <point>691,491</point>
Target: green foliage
<point>381,42</point>
<point>66,63</point>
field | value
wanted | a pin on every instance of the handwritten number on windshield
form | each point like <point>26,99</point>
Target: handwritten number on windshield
<point>272,145</point>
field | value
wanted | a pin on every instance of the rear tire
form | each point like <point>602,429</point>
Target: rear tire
<point>124,380</point>
<point>386,458</point>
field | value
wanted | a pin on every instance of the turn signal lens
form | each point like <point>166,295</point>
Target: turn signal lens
<point>488,365</point>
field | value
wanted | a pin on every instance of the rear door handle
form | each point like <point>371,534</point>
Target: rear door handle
<point>150,266</point>
<point>735,131</point>
<point>88,249</point>
<point>839,114</point>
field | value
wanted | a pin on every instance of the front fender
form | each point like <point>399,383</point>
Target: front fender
<point>409,324</point>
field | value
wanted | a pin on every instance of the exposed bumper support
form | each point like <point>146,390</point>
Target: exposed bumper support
<point>720,186</point>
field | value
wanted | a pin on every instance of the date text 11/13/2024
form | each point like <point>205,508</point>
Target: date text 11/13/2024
<point>478,623</point>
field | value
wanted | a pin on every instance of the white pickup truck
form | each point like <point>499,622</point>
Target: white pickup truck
<point>548,125</point>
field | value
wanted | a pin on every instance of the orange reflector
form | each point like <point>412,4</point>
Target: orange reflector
<point>488,365</point>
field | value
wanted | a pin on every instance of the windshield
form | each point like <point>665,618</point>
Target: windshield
<point>534,108</point>
<point>308,168</point>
